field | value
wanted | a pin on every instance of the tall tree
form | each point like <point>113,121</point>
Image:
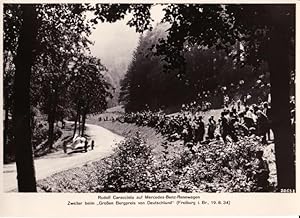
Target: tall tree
<point>88,89</point>
<point>278,53</point>
<point>8,76</point>
<point>59,43</point>
<point>12,23</point>
<point>21,110</point>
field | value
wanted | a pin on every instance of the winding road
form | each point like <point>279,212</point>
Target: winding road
<point>56,162</point>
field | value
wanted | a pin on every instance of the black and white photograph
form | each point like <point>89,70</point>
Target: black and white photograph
<point>149,98</point>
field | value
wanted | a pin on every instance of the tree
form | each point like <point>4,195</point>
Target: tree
<point>88,89</point>
<point>145,77</point>
<point>8,76</point>
<point>12,17</point>
<point>59,43</point>
<point>21,109</point>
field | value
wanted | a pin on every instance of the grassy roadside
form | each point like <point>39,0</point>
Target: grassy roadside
<point>128,130</point>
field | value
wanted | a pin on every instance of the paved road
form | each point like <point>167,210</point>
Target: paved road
<point>47,165</point>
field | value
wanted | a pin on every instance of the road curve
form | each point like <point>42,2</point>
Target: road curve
<point>56,162</point>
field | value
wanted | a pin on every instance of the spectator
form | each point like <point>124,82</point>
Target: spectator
<point>227,127</point>
<point>232,126</point>
<point>65,147</point>
<point>242,125</point>
<point>92,145</point>
<point>267,112</point>
<point>239,105</point>
<point>85,145</point>
<point>187,134</point>
<point>211,127</point>
<point>226,101</point>
<point>200,130</point>
<point>224,126</point>
<point>261,173</point>
<point>262,124</point>
<point>250,117</point>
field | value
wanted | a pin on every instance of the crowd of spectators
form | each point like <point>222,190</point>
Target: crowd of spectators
<point>188,124</point>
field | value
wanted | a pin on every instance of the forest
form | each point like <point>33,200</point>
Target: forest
<point>210,74</point>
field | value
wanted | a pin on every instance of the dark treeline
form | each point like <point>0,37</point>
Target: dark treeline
<point>209,75</point>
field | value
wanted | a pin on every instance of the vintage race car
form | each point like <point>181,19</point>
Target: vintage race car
<point>78,143</point>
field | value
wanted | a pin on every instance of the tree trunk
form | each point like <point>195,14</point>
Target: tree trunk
<point>83,122</point>
<point>5,131</point>
<point>52,116</point>
<point>278,61</point>
<point>7,147</point>
<point>79,123</point>
<point>21,108</point>
<point>75,126</point>
<point>51,120</point>
<point>76,119</point>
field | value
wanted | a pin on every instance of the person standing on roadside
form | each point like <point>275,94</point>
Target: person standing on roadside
<point>227,125</point>
<point>85,145</point>
<point>262,124</point>
<point>200,130</point>
<point>267,111</point>
<point>261,173</point>
<point>211,127</point>
<point>65,147</point>
<point>92,145</point>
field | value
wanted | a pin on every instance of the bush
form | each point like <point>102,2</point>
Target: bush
<point>40,133</point>
<point>131,168</point>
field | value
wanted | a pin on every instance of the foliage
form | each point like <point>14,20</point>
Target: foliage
<point>11,16</point>
<point>61,39</point>
<point>8,77</point>
<point>222,26</point>
<point>88,87</point>
<point>141,17</point>
<point>133,157</point>
<point>40,134</point>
